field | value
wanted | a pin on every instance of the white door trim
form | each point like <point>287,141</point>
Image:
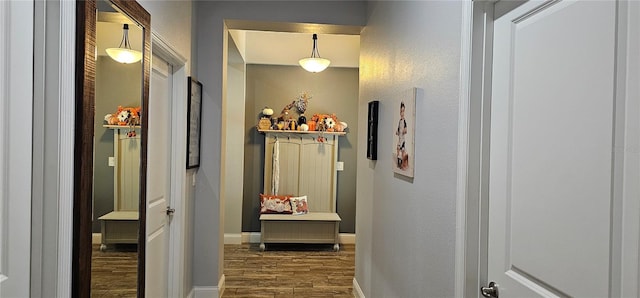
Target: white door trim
<point>473,136</point>
<point>474,124</point>
<point>66,150</point>
<point>176,269</point>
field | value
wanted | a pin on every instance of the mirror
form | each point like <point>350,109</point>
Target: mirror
<point>116,161</point>
<point>111,148</point>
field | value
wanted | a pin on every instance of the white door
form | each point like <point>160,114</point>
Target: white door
<point>158,182</point>
<point>556,170</point>
<point>16,102</point>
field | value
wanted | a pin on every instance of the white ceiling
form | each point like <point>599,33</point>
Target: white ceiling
<point>109,32</point>
<point>286,48</point>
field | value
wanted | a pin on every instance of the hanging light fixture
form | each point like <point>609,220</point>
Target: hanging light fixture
<point>314,63</point>
<point>124,53</point>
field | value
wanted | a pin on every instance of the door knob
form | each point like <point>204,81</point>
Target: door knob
<point>491,291</point>
<point>170,211</point>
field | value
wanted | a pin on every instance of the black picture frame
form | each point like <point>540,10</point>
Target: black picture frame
<point>194,114</point>
<point>372,130</point>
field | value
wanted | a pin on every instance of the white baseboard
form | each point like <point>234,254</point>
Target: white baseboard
<point>96,238</point>
<point>250,237</point>
<point>191,293</point>
<point>254,237</point>
<point>232,238</point>
<point>347,238</point>
<point>357,291</point>
<point>205,292</point>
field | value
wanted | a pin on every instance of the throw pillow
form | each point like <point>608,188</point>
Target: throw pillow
<point>275,204</point>
<point>299,205</point>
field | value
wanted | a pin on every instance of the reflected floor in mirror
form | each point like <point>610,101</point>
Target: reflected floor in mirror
<point>114,272</point>
<point>288,271</point>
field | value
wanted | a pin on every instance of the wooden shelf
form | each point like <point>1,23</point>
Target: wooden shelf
<point>301,132</point>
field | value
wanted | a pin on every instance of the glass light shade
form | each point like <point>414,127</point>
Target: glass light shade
<point>124,55</point>
<point>314,64</point>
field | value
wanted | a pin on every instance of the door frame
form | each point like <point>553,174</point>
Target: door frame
<point>177,233</point>
<point>473,154</point>
<point>472,196</point>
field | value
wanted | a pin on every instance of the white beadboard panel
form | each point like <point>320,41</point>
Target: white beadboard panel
<point>307,167</point>
<point>128,172</point>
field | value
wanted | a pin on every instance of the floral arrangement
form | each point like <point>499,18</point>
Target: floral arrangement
<point>325,122</point>
<point>125,116</point>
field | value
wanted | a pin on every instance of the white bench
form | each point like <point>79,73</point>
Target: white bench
<point>313,227</point>
<point>119,227</point>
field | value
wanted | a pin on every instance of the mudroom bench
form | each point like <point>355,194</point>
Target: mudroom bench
<point>313,227</point>
<point>302,164</point>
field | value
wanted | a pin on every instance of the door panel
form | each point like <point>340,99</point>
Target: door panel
<point>158,198</point>
<point>551,149</point>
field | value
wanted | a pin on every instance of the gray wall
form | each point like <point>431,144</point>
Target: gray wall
<point>210,36</point>
<point>117,84</point>
<point>334,90</point>
<point>234,143</point>
<point>406,228</point>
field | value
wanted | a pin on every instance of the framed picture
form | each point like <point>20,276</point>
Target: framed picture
<point>404,125</point>
<point>194,113</point>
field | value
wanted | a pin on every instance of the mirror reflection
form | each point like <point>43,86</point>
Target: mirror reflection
<point>116,176</point>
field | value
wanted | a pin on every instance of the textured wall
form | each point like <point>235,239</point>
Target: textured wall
<point>211,44</point>
<point>334,90</point>
<point>406,228</point>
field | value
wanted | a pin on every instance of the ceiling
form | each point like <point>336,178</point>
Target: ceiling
<point>286,48</point>
<point>109,32</point>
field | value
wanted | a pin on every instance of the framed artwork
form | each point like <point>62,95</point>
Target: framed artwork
<point>194,113</point>
<point>404,125</point>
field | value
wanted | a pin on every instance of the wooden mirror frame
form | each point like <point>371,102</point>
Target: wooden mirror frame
<point>83,148</point>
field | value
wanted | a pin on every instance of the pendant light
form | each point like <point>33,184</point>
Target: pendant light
<point>314,63</point>
<point>124,54</point>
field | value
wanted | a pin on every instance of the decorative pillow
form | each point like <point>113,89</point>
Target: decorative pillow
<point>275,204</point>
<point>299,205</point>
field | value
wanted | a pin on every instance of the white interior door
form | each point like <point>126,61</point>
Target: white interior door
<point>556,173</point>
<point>16,93</point>
<point>158,182</point>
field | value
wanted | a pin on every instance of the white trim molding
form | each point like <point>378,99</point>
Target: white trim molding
<point>96,238</point>
<point>177,230</point>
<point>463,150</point>
<point>233,238</point>
<point>204,292</point>
<point>347,238</point>
<point>208,292</point>
<point>357,291</point>
<point>66,144</point>
<point>250,237</point>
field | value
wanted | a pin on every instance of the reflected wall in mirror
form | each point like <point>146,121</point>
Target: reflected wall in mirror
<point>111,148</point>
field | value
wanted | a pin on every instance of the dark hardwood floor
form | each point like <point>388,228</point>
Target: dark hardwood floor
<point>114,273</point>
<point>288,271</point>
<point>280,271</point>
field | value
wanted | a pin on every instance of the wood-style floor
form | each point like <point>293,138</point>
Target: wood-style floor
<point>280,271</point>
<point>288,271</point>
<point>114,273</point>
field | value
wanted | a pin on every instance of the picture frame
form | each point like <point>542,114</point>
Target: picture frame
<point>404,125</point>
<point>194,115</point>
